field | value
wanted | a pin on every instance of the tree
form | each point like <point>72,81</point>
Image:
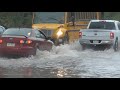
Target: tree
<point>16,19</point>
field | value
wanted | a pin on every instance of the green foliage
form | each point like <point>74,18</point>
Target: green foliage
<point>16,19</point>
<point>24,19</point>
<point>112,15</point>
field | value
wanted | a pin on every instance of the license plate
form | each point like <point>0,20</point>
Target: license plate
<point>95,42</point>
<point>10,44</point>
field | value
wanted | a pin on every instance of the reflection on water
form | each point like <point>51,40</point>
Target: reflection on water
<point>1,72</point>
<point>64,61</point>
<point>33,72</point>
<point>14,56</point>
<point>60,73</point>
<point>64,73</point>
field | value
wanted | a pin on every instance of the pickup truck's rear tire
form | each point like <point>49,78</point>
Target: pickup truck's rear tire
<point>83,47</point>
<point>115,47</point>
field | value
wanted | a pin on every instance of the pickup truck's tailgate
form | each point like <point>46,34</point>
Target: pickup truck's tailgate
<point>96,34</point>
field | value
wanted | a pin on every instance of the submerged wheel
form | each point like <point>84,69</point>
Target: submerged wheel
<point>56,42</point>
<point>83,46</point>
<point>116,46</point>
<point>34,51</point>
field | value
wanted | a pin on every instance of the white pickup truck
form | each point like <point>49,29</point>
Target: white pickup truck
<point>101,32</point>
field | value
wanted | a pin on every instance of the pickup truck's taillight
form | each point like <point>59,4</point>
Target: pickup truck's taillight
<point>80,34</point>
<point>111,35</point>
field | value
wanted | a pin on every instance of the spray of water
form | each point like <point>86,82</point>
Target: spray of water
<point>87,63</point>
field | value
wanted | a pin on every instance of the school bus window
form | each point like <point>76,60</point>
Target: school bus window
<point>48,17</point>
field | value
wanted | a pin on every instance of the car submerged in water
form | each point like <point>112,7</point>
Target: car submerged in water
<point>23,42</point>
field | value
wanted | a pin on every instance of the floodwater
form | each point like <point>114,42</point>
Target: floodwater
<point>64,61</point>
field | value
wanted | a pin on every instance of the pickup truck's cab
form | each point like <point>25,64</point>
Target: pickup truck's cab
<point>101,32</point>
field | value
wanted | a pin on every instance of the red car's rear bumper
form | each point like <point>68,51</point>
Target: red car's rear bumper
<point>16,51</point>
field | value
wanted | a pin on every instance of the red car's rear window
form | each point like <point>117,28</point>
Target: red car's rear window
<point>25,32</point>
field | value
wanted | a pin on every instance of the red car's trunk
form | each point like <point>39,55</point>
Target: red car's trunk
<point>11,41</point>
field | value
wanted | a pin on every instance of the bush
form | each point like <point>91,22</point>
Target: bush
<point>16,19</point>
<point>112,15</point>
<point>24,19</point>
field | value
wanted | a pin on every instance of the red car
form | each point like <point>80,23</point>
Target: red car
<point>23,42</point>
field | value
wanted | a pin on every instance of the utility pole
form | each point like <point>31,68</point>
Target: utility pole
<point>73,18</point>
<point>33,17</point>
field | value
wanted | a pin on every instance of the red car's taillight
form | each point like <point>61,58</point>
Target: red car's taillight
<point>21,41</point>
<point>80,34</point>
<point>1,41</point>
<point>111,35</point>
<point>26,42</point>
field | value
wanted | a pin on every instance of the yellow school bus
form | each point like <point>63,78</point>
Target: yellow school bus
<point>63,27</point>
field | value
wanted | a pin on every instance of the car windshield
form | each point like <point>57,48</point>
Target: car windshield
<point>102,25</point>
<point>19,32</point>
<point>47,32</point>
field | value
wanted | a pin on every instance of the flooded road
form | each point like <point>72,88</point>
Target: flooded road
<point>64,61</point>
